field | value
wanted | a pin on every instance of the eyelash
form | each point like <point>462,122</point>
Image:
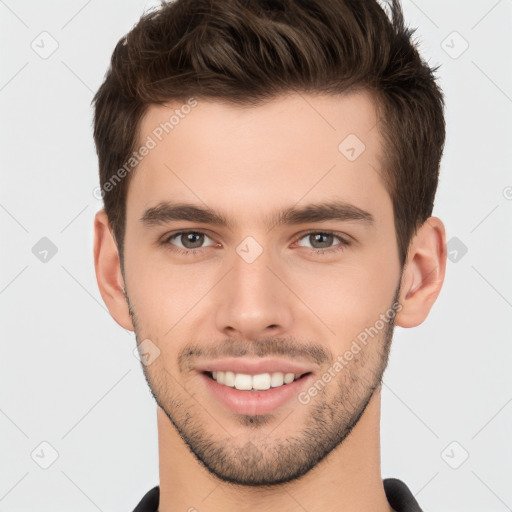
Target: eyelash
<point>195,252</point>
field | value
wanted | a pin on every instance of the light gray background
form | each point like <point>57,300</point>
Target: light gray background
<point>68,374</point>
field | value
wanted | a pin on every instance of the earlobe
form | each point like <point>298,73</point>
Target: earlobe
<point>424,272</point>
<point>108,271</point>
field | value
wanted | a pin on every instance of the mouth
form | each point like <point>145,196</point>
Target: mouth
<point>258,382</point>
<point>254,394</point>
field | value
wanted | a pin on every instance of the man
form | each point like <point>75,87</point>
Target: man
<point>268,170</point>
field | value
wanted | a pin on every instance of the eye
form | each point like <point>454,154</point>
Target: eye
<point>322,241</point>
<point>189,243</point>
<point>186,242</point>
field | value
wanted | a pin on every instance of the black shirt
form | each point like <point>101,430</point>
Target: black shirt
<point>398,494</point>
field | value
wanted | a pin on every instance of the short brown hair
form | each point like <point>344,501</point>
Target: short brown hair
<point>249,51</point>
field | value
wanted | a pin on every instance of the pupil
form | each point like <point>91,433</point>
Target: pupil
<point>189,239</point>
<point>328,236</point>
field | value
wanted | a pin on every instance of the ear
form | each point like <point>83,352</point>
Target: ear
<point>108,271</point>
<point>423,273</point>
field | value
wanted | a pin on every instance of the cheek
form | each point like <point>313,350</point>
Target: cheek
<point>165,295</point>
<point>345,301</point>
<point>351,295</point>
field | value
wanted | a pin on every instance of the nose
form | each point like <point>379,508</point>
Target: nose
<point>253,301</point>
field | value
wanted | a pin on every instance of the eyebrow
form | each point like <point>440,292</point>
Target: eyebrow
<point>168,211</point>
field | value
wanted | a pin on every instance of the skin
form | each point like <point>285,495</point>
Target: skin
<point>246,163</point>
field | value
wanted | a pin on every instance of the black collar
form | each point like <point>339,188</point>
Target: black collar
<point>397,493</point>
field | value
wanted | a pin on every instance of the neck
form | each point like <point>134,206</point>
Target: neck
<point>347,480</point>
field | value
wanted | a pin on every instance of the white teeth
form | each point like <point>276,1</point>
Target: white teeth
<point>260,382</point>
<point>243,381</point>
<point>229,379</point>
<point>277,379</point>
<point>289,377</point>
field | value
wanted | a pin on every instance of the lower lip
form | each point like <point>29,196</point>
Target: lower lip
<point>255,402</point>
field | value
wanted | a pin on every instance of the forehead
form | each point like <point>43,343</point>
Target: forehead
<point>293,146</point>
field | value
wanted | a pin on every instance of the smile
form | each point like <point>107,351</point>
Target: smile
<point>261,393</point>
<point>259,382</point>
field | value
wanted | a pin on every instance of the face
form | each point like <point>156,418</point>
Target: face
<point>260,241</point>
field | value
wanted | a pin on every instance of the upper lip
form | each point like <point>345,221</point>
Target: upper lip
<point>254,366</point>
